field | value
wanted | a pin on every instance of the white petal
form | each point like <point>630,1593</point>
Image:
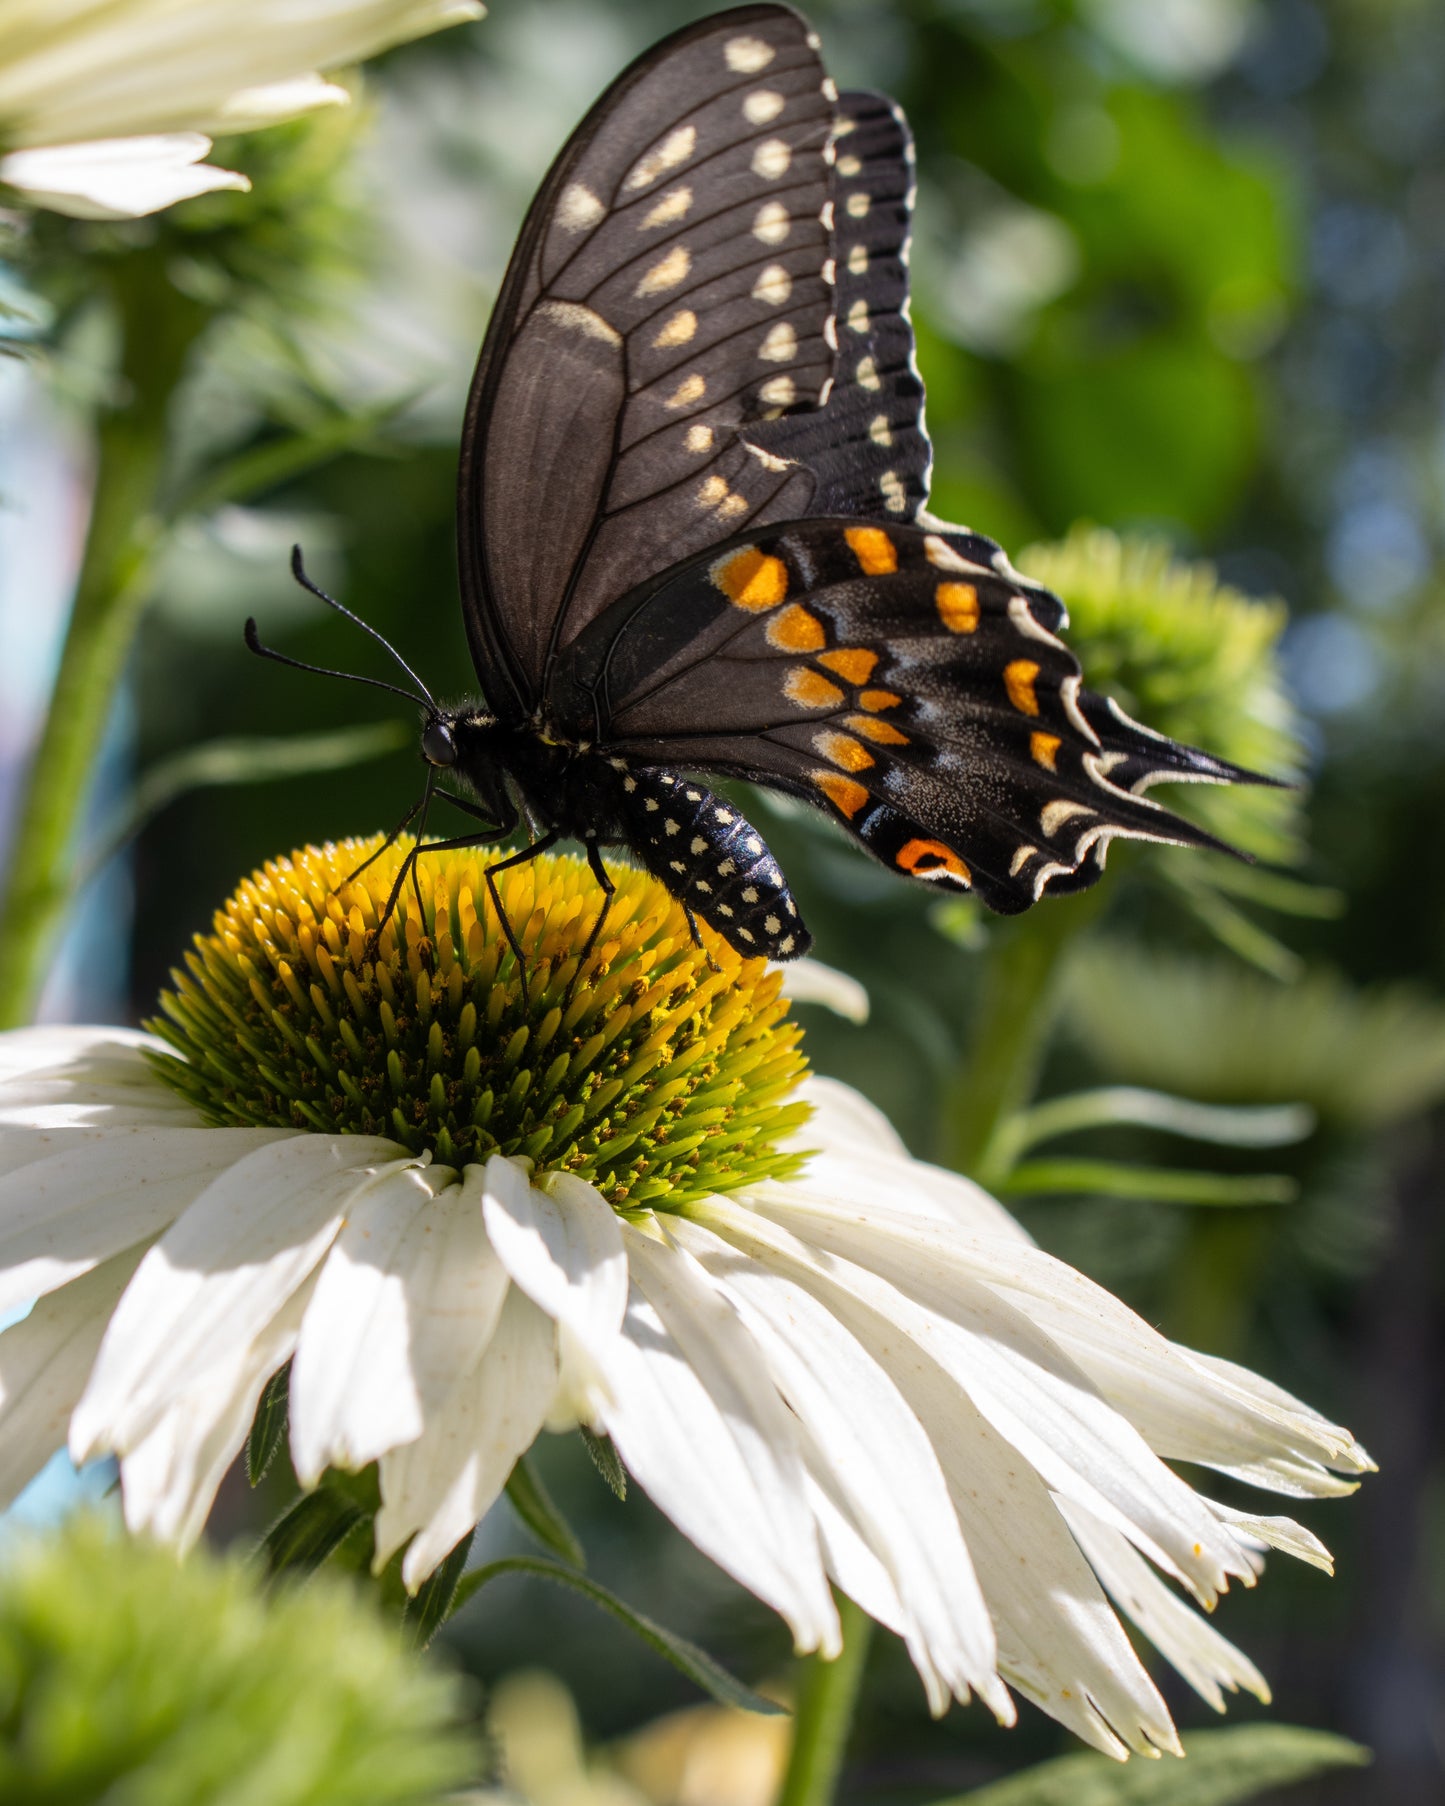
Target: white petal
<point>865,1443</point>
<point>45,1361</point>
<point>250,108</point>
<point>700,1424</point>
<point>408,1297</point>
<point>441,1484</point>
<point>1205,1659</point>
<point>563,1247</point>
<point>844,1118</point>
<point>61,1216</point>
<point>1283,1534</point>
<point>61,1044</point>
<point>810,981</point>
<point>117,178</point>
<point>218,1276</point>
<point>169,1480</point>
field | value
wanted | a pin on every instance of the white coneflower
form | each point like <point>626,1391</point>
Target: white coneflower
<point>107,107</point>
<point>465,1210</point>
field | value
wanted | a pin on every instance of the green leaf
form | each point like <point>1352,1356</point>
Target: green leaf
<point>687,1658</point>
<point>240,761</point>
<point>534,1505</point>
<point>606,1460</point>
<point>312,1529</point>
<point>1158,1184</point>
<point>1242,1126</point>
<point>268,1427</point>
<point>436,1598</point>
<point>1220,1768</point>
<point>1275,890</point>
<point>1233,929</point>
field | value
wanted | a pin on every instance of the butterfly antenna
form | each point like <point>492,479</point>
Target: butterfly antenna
<point>254,642</point>
<point>298,571</point>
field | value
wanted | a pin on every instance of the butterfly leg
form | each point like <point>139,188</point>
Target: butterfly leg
<point>594,934</point>
<point>391,838</point>
<point>697,941</point>
<point>489,873</point>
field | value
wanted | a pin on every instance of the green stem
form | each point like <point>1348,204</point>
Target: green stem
<point>824,1714</point>
<point>158,327</point>
<point>1010,1031</point>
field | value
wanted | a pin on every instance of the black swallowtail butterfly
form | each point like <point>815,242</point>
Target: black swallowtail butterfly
<point>693,527</point>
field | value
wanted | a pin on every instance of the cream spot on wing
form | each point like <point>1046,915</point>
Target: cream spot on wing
<point>690,389</point>
<point>825,216</point>
<point>762,106</point>
<point>779,392</point>
<point>780,344</point>
<point>745,56</point>
<point>941,555</point>
<point>576,318</point>
<point>774,285</point>
<point>829,87</point>
<point>830,271</point>
<point>1053,815</point>
<point>849,167</point>
<point>858,316</point>
<point>767,459</point>
<point>711,491</point>
<point>771,159</point>
<point>578,209</point>
<point>1022,617</point>
<point>673,206</point>
<point>895,497</point>
<point>676,331</point>
<point>771,223</point>
<point>858,261</point>
<point>699,439</point>
<point>1020,860</point>
<point>879,431</point>
<point>731,506</point>
<point>666,273</point>
<point>858,205</point>
<point>675,148</point>
<point>866,375</point>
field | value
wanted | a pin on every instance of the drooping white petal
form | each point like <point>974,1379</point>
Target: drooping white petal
<point>45,1361</point>
<point>441,1484</point>
<point>1283,1534</point>
<point>57,1079</point>
<point>171,1476</point>
<point>49,1045</point>
<point>117,178</point>
<point>844,1119</point>
<point>1024,1385</point>
<point>62,1215</point>
<point>882,1185</point>
<point>700,1424</point>
<point>810,981</point>
<point>218,1276</point>
<point>563,1247</point>
<point>408,1297</point>
<point>251,108</point>
<point>864,1442</point>
<point>1205,1659</point>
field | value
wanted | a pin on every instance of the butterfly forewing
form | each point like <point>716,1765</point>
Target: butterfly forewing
<point>867,447</point>
<point>668,288</point>
<point>892,675</point>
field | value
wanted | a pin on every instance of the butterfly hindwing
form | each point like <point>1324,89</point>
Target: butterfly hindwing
<point>667,289</point>
<point>907,680</point>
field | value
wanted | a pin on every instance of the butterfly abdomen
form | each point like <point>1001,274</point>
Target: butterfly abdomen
<point>714,861</point>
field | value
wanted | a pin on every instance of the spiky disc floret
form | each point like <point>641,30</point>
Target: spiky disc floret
<point>659,1079</point>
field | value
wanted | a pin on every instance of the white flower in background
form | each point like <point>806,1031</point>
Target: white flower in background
<point>107,107</point>
<point>822,1359</point>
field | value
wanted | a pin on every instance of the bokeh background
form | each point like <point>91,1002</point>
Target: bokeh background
<point>1179,271</point>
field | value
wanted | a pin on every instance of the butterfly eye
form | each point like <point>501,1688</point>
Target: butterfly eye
<point>437,745</point>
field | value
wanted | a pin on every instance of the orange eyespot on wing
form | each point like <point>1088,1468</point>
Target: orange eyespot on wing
<point>1018,677</point>
<point>853,663</point>
<point>810,689</point>
<point>873,549</point>
<point>845,794</point>
<point>931,859</point>
<point>957,605</point>
<point>752,579</point>
<point>795,630</point>
<point>1044,749</point>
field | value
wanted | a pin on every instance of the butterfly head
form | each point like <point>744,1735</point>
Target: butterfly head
<point>439,743</point>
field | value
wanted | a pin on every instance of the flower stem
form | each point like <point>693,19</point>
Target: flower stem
<point>1011,1030</point>
<point>824,1714</point>
<point>158,327</point>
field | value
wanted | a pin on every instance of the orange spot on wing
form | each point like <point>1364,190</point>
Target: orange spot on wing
<point>1018,677</point>
<point>810,689</point>
<point>843,750</point>
<point>882,733</point>
<point>844,793</point>
<point>851,662</point>
<point>751,578</point>
<point>1043,749</point>
<point>931,859</point>
<point>957,605</point>
<point>873,549</point>
<point>795,630</point>
<point>879,699</point>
